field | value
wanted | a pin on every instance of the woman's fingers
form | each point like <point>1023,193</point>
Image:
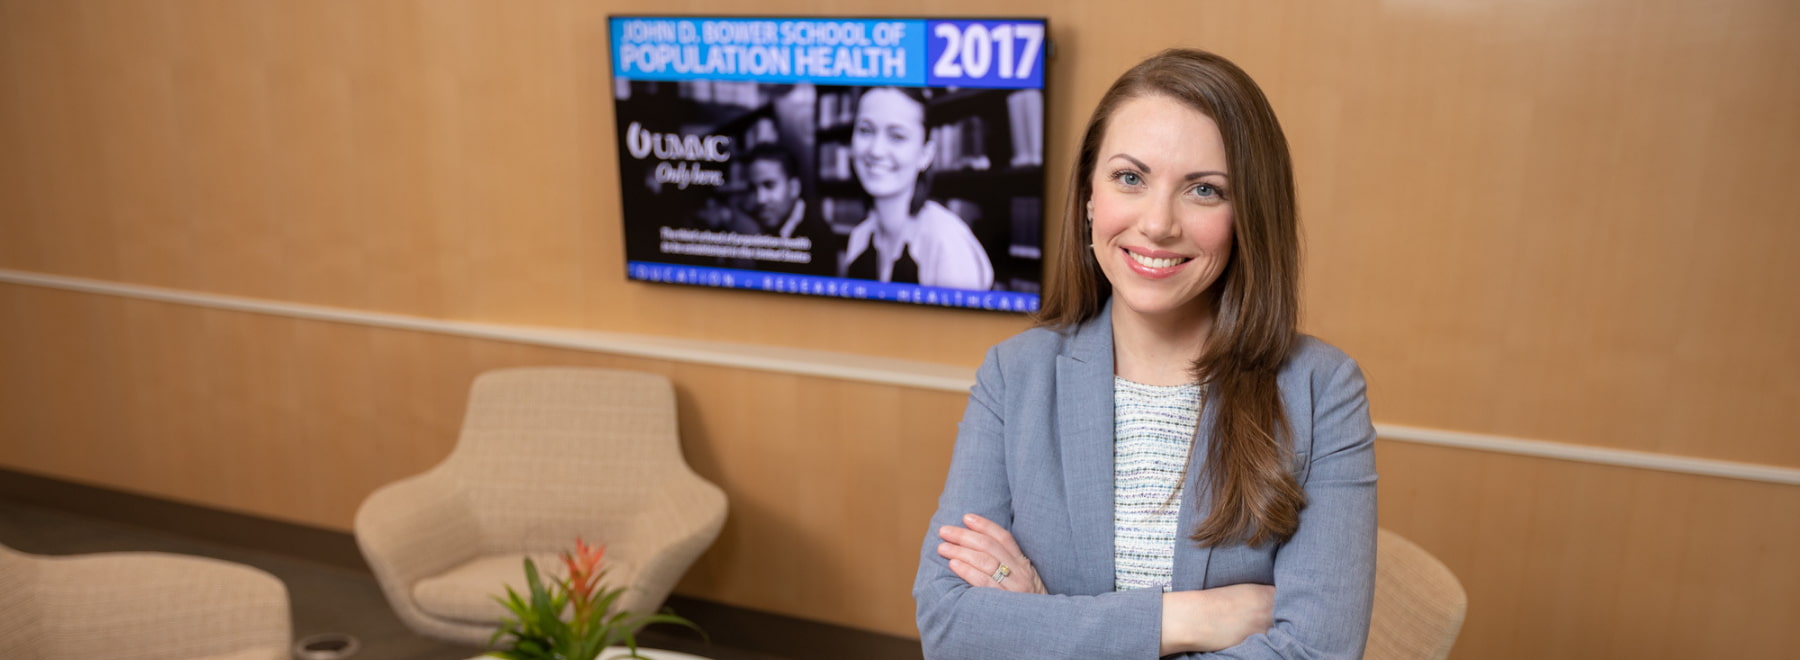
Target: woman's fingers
<point>978,566</point>
<point>972,575</point>
<point>975,548</point>
<point>993,530</point>
<point>978,541</point>
<point>968,555</point>
<point>1007,548</point>
<point>981,553</point>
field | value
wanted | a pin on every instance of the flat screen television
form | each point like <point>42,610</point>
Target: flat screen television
<point>883,159</point>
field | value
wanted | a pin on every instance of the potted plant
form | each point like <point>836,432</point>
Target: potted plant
<point>571,618</point>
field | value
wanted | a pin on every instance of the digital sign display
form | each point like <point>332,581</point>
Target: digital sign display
<point>883,159</point>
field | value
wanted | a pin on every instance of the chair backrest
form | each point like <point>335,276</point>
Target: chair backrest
<point>568,445</point>
<point>1419,604</point>
<point>19,611</point>
<point>143,605</point>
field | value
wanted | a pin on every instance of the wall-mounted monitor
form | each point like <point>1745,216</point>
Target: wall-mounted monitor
<point>881,159</point>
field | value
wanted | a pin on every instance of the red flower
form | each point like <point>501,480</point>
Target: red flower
<point>539,629</point>
<point>584,574</point>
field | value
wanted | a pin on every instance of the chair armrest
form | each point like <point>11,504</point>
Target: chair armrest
<point>678,524</point>
<point>415,528</point>
<point>181,606</point>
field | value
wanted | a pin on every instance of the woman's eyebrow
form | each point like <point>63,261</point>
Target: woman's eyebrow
<point>1135,162</point>
<point>1190,177</point>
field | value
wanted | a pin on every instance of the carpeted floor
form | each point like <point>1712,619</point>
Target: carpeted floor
<point>324,597</point>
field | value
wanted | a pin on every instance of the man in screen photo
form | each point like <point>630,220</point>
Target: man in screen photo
<point>781,211</point>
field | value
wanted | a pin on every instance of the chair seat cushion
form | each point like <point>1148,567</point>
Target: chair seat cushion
<point>467,592</point>
<point>256,654</point>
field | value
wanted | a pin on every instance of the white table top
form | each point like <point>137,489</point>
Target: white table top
<point>611,652</point>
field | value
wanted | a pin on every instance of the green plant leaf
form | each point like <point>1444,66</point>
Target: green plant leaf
<point>539,630</point>
<point>669,618</point>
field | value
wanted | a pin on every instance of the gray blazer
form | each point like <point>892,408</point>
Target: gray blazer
<point>1034,454</point>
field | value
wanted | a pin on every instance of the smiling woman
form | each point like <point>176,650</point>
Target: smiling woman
<point>1130,476</point>
<point>1160,221</point>
<point>907,238</point>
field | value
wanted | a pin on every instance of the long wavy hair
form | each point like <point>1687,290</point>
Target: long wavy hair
<point>1248,463</point>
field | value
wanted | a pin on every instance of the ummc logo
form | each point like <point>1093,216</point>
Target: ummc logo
<point>675,146</point>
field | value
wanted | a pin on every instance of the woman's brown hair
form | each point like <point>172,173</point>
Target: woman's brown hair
<point>1255,497</point>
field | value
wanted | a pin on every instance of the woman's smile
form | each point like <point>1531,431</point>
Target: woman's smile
<point>1155,264</point>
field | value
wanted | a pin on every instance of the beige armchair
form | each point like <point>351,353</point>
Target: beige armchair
<point>139,606</point>
<point>1419,604</point>
<point>546,455</point>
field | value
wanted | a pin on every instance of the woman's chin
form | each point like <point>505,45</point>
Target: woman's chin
<point>1159,304</point>
<point>883,189</point>
<point>880,182</point>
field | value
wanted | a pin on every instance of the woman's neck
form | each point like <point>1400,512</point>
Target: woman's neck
<point>893,225</point>
<point>1158,350</point>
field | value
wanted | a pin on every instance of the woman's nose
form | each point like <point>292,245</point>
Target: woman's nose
<point>1158,222</point>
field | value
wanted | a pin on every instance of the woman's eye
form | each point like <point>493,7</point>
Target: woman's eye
<point>1208,191</point>
<point>1129,178</point>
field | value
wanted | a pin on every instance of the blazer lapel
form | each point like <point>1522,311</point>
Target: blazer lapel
<point>1084,404</point>
<point>1191,560</point>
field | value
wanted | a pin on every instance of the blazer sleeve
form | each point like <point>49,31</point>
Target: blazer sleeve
<point>1325,573</point>
<point>957,620</point>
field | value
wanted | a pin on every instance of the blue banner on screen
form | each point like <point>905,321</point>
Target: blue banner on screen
<point>879,159</point>
<point>912,52</point>
<point>830,286</point>
<point>986,54</point>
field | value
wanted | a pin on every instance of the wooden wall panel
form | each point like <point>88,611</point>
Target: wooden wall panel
<point>1539,220</point>
<point>1573,560</point>
<point>831,483</point>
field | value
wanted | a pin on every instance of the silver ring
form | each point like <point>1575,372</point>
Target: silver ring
<point>1001,573</point>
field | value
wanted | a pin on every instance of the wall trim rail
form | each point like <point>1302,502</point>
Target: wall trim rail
<point>842,366</point>
<point>1710,467</point>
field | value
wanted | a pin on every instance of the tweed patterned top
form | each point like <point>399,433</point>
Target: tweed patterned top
<point>1153,425</point>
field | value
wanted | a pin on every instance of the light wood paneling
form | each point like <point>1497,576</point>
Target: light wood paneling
<point>1573,560</point>
<point>1539,220</point>
<point>831,482</point>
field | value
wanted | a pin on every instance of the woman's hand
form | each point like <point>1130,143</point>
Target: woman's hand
<point>1213,619</point>
<point>978,550</point>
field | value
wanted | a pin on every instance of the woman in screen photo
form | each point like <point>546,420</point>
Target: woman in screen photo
<point>1164,465</point>
<point>906,238</point>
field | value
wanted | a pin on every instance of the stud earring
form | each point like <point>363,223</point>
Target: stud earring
<point>1090,224</point>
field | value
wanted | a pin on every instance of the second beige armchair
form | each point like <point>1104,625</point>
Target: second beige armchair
<point>139,606</point>
<point>1419,603</point>
<point>545,455</point>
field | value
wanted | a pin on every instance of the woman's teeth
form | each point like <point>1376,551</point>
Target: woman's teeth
<point>1153,262</point>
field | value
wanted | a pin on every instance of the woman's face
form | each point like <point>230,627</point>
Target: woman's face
<point>1161,208</point>
<point>887,146</point>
